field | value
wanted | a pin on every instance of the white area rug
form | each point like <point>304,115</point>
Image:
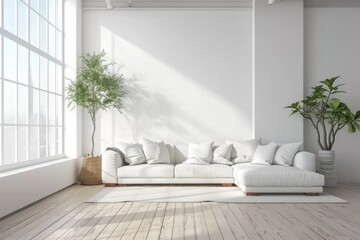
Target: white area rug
<point>202,194</point>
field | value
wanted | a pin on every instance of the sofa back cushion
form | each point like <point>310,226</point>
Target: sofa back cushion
<point>133,153</point>
<point>181,153</point>
<point>155,152</point>
<point>200,153</point>
<point>286,152</point>
<point>222,154</point>
<point>243,151</point>
<point>264,154</point>
<point>171,150</point>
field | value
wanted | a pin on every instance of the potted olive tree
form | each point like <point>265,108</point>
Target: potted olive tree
<point>328,115</point>
<point>95,88</point>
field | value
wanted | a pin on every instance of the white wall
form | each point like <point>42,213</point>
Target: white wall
<point>332,37</point>
<point>189,72</point>
<point>278,69</point>
<point>20,188</point>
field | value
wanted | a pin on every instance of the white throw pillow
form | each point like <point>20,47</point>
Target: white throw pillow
<point>200,153</point>
<point>264,154</point>
<point>133,153</point>
<point>243,151</point>
<point>222,154</point>
<point>155,152</point>
<point>286,152</point>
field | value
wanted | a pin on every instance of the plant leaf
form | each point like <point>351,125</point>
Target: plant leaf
<point>334,103</point>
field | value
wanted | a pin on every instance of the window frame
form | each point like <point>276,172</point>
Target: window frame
<point>58,62</point>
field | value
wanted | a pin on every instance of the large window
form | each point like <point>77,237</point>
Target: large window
<point>31,89</point>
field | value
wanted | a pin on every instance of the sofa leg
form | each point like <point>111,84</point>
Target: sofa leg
<point>251,194</point>
<point>110,184</point>
<point>311,194</point>
<point>227,184</point>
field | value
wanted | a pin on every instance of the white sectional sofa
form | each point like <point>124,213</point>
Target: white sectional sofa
<point>251,178</point>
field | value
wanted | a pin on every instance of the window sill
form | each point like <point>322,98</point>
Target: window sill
<point>6,173</point>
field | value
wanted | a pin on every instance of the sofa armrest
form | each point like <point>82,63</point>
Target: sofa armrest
<point>305,160</point>
<point>111,161</point>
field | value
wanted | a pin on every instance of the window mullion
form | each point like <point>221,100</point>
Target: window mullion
<point>29,87</point>
<point>2,88</point>
<point>17,98</point>
<point>47,122</point>
<point>2,96</point>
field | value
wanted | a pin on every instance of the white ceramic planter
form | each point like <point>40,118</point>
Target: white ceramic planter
<point>327,160</point>
<point>326,157</point>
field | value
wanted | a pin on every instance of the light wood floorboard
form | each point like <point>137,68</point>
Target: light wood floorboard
<point>66,215</point>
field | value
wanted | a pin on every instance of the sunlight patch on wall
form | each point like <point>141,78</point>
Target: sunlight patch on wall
<point>164,104</point>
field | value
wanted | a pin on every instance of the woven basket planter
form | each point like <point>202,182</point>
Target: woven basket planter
<point>90,173</point>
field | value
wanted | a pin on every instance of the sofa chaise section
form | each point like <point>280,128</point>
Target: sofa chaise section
<point>276,178</point>
<point>299,178</point>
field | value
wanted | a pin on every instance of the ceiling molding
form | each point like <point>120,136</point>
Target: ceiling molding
<point>209,4</point>
<point>120,4</point>
<point>331,3</point>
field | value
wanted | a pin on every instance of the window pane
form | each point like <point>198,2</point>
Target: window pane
<point>34,106</point>
<point>59,105</point>
<point>22,144</point>
<point>1,158</point>
<point>43,8</point>
<point>59,79</point>
<point>0,119</point>
<point>10,54</point>
<point>52,108</point>
<point>10,102</point>
<point>59,14</point>
<point>0,26</point>
<point>52,146</point>
<point>43,73</point>
<point>34,28</point>
<point>51,76</point>
<point>22,20</point>
<point>34,4</point>
<point>23,70</point>
<point>34,70</point>
<point>51,40</point>
<point>42,142</point>
<point>52,11</point>
<point>0,53</point>
<point>10,15</point>
<point>59,140</point>
<point>9,145</point>
<point>43,108</point>
<point>43,34</point>
<point>58,45</point>
<point>22,104</point>
<point>34,143</point>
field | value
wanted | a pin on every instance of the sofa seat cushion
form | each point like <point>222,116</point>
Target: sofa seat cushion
<point>146,171</point>
<point>203,171</point>
<point>275,176</point>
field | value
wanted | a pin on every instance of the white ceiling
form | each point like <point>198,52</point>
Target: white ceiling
<point>208,3</point>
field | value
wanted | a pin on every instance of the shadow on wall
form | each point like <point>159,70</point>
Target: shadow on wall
<point>148,115</point>
<point>211,54</point>
<point>189,73</point>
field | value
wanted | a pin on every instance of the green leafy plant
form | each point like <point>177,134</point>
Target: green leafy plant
<point>96,88</point>
<point>327,113</point>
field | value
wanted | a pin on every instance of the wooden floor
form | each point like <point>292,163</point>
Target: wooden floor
<point>64,215</point>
